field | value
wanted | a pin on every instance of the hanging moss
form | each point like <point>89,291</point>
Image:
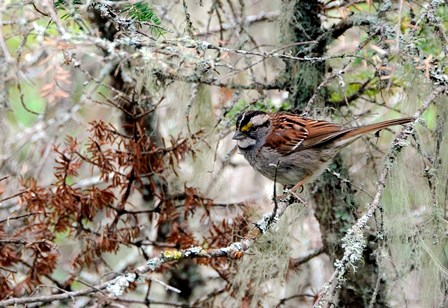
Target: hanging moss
<point>301,23</point>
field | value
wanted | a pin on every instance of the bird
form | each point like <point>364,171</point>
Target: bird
<point>291,149</point>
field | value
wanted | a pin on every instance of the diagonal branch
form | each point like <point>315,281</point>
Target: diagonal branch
<point>118,285</point>
<point>355,236</point>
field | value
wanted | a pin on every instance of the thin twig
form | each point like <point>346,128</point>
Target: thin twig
<point>18,217</point>
<point>398,145</point>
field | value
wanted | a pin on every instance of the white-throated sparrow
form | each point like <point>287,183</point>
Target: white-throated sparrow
<point>294,149</point>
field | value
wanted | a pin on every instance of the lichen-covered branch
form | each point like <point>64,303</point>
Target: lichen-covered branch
<point>118,285</point>
<point>354,242</point>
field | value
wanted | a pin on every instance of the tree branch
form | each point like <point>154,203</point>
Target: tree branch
<point>118,285</point>
<point>354,238</point>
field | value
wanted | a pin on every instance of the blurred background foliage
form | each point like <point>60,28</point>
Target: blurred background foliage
<point>164,82</point>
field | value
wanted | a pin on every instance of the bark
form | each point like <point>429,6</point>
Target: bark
<point>334,200</point>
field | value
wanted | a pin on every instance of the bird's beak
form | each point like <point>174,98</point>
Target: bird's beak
<point>238,136</point>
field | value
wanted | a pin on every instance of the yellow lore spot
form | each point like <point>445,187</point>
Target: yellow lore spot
<point>246,127</point>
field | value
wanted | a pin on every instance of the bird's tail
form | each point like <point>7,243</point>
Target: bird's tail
<point>376,126</point>
<point>352,134</point>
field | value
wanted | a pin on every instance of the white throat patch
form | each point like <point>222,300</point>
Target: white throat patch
<point>246,142</point>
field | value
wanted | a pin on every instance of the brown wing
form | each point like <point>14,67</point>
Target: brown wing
<point>289,132</point>
<point>292,132</point>
<point>320,132</point>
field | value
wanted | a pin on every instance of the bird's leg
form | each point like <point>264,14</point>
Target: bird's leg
<point>300,184</point>
<point>292,191</point>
